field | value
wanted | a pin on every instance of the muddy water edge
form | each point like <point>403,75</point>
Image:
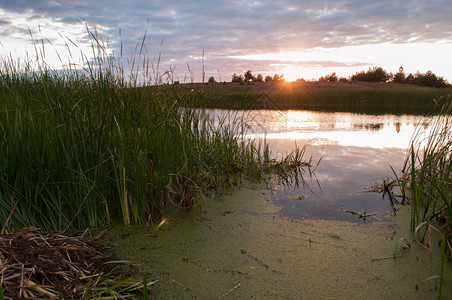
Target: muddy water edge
<point>236,246</point>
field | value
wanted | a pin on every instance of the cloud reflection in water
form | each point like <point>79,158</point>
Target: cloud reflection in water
<point>356,150</point>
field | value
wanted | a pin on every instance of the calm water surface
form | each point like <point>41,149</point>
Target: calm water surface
<point>356,151</point>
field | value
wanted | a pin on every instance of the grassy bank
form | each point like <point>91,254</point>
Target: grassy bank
<point>80,149</point>
<point>371,98</point>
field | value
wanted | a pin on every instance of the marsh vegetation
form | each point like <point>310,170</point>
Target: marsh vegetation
<point>91,146</point>
<point>83,148</point>
<point>425,182</point>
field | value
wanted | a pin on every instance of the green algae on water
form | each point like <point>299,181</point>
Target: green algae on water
<point>236,247</point>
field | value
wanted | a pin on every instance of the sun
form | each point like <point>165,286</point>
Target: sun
<point>291,74</point>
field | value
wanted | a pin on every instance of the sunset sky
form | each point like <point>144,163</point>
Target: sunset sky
<point>300,39</point>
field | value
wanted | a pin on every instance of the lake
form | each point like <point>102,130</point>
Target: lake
<point>356,152</point>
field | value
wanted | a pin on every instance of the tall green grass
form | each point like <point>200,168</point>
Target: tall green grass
<point>79,148</point>
<point>426,184</point>
<point>427,179</point>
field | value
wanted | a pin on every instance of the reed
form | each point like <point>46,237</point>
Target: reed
<point>426,180</point>
<point>83,147</point>
<point>426,184</point>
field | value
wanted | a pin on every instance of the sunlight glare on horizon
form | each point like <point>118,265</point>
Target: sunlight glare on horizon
<point>344,61</point>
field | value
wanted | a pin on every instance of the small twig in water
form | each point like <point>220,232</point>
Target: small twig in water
<point>231,290</point>
<point>383,258</point>
<point>180,284</point>
<point>361,215</point>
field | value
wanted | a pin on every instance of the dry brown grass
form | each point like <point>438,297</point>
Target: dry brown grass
<point>33,264</point>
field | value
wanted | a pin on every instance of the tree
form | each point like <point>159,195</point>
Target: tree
<point>249,76</point>
<point>430,79</point>
<point>359,76</point>
<point>329,78</point>
<point>332,77</point>
<point>377,74</point>
<point>400,76</point>
<point>212,79</point>
<point>237,78</point>
<point>277,78</point>
<point>409,79</point>
<point>259,78</point>
<point>268,78</point>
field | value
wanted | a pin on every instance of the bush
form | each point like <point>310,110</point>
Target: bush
<point>249,76</point>
<point>376,74</point>
<point>400,76</point>
<point>237,78</point>
<point>409,79</point>
<point>430,79</point>
<point>329,78</point>
<point>259,78</point>
<point>278,78</point>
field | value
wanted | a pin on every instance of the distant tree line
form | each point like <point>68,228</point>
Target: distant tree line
<point>248,76</point>
<point>422,79</point>
<point>378,74</point>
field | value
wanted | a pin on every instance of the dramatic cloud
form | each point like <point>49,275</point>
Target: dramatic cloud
<point>222,29</point>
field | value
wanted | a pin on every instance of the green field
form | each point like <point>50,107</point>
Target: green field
<point>371,98</point>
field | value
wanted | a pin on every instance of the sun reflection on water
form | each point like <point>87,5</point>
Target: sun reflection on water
<point>344,129</point>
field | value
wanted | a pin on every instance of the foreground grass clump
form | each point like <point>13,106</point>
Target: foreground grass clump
<point>78,149</point>
<point>426,182</point>
<point>430,169</point>
<point>429,182</point>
